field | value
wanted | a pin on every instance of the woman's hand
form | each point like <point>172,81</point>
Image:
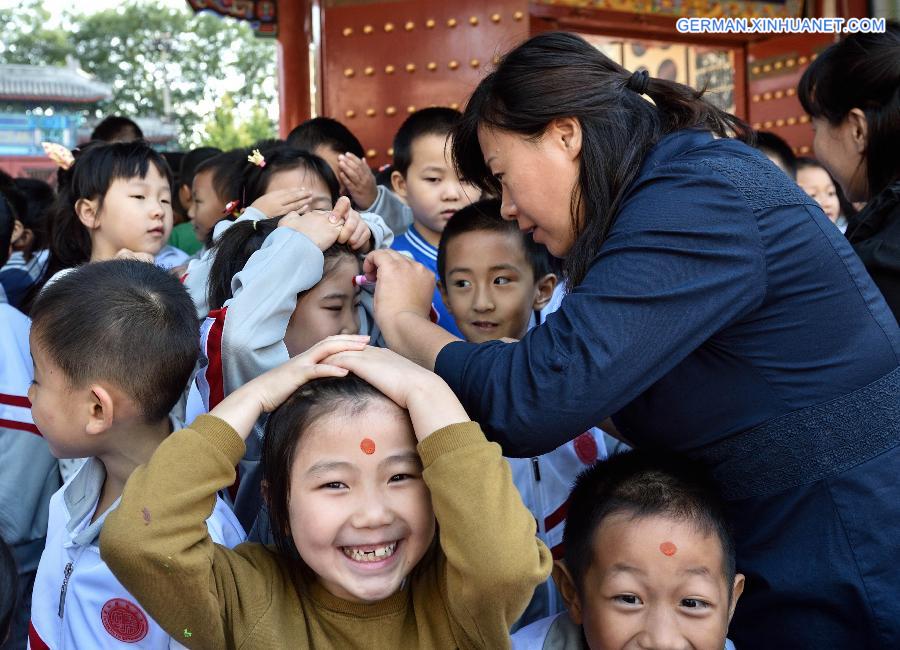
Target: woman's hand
<point>267,392</point>
<point>403,297</point>
<point>359,180</point>
<point>430,402</point>
<point>404,285</point>
<point>281,202</point>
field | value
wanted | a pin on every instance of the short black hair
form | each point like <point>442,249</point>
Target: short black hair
<point>117,128</point>
<point>484,216</point>
<point>9,590</point>
<point>348,395</point>
<point>226,168</point>
<point>39,197</point>
<point>325,132</point>
<point>7,223</point>
<point>436,120</point>
<point>770,143</point>
<point>191,160</point>
<point>642,484</point>
<point>123,321</point>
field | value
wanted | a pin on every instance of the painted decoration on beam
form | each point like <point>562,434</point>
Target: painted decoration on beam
<point>261,14</point>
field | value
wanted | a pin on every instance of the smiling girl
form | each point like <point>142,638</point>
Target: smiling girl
<point>361,470</point>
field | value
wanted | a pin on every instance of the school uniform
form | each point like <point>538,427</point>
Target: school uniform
<point>29,474</point>
<point>77,601</point>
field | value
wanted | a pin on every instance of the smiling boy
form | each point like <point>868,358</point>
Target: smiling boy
<point>649,562</point>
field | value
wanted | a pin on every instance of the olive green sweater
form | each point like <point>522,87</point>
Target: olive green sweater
<point>465,592</point>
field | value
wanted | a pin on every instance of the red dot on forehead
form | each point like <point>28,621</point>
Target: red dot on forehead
<point>368,446</point>
<point>668,548</point>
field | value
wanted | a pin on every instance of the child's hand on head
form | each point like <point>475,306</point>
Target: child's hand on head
<point>264,394</point>
<point>431,403</point>
<point>319,226</point>
<point>359,180</point>
<point>355,232</point>
<point>279,202</point>
<point>126,254</point>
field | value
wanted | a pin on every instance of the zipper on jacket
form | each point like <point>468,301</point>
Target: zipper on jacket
<point>536,467</point>
<point>65,586</point>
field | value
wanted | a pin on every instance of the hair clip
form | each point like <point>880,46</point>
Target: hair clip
<point>257,158</point>
<point>59,154</point>
<point>255,223</point>
<point>232,209</point>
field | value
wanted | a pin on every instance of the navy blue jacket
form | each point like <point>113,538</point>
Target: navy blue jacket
<point>726,317</point>
<point>722,298</point>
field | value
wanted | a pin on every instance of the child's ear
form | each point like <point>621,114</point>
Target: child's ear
<point>736,590</point>
<point>184,195</point>
<point>543,291</point>
<point>100,418</point>
<point>88,212</point>
<point>398,182</point>
<point>567,590</point>
<point>443,290</point>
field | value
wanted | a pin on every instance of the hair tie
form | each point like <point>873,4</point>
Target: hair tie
<point>638,81</point>
<point>257,158</point>
<point>59,154</point>
<point>255,221</point>
<point>232,209</point>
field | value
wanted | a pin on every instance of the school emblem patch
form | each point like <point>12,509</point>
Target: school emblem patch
<point>586,448</point>
<point>124,620</point>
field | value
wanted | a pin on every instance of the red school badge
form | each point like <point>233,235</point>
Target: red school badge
<point>586,448</point>
<point>124,620</point>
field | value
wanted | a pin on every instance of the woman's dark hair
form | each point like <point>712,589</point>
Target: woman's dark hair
<point>862,71</point>
<point>847,209</point>
<point>235,246</point>
<point>639,484</point>
<point>347,395</point>
<point>282,157</point>
<point>556,75</point>
<point>96,167</point>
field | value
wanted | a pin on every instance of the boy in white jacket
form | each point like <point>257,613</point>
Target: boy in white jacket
<point>113,345</point>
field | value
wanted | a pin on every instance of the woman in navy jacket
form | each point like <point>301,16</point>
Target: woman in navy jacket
<point>713,310</point>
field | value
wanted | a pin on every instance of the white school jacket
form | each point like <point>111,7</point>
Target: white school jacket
<point>77,602</point>
<point>544,482</point>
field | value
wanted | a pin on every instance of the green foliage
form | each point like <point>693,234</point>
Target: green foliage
<point>157,57</point>
<point>222,131</point>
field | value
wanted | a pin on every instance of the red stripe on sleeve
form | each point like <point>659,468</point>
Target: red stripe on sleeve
<point>37,643</point>
<point>557,516</point>
<point>15,400</point>
<point>20,426</point>
<point>214,376</point>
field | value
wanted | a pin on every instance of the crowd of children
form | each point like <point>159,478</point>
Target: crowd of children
<point>206,444</point>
